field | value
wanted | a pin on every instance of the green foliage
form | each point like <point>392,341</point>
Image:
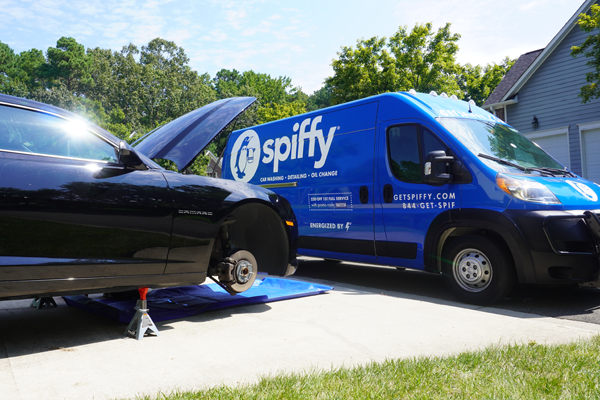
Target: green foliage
<point>249,83</point>
<point>7,62</point>
<point>590,49</point>
<point>169,88</point>
<point>12,78</point>
<point>274,111</point>
<point>421,59</point>
<point>477,83</point>
<point>157,89</point>
<point>29,63</point>
<point>320,98</point>
<point>67,65</point>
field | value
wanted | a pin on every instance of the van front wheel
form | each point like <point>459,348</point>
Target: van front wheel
<point>477,271</point>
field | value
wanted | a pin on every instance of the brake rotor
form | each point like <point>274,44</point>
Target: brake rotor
<point>244,272</point>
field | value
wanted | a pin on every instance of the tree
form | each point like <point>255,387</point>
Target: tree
<point>276,97</point>
<point>8,70</point>
<point>7,62</point>
<point>69,65</point>
<point>477,83</point>
<point>29,63</point>
<point>140,95</point>
<point>320,98</point>
<point>169,86</point>
<point>276,111</point>
<point>591,49</point>
<point>249,83</point>
<point>421,59</point>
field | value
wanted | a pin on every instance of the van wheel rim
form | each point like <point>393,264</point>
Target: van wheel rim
<point>472,270</point>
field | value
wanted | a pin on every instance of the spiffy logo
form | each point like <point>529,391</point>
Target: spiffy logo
<point>245,156</point>
<point>246,150</point>
<point>585,190</point>
<point>282,148</point>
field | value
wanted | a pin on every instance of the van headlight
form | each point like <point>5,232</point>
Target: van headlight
<point>526,190</point>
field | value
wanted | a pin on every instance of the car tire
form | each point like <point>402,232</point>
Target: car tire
<point>477,270</point>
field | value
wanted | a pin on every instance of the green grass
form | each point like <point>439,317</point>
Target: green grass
<point>530,371</point>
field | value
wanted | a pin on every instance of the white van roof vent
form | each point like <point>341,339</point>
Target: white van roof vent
<point>412,91</point>
<point>444,95</point>
<point>433,93</point>
<point>453,97</point>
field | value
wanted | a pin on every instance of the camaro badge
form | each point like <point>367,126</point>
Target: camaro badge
<point>192,212</point>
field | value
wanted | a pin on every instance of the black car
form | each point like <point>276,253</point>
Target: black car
<point>83,212</point>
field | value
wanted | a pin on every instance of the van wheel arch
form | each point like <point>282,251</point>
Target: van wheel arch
<point>451,234</point>
<point>449,225</point>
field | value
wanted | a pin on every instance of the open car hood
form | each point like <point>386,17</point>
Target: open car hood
<point>183,139</point>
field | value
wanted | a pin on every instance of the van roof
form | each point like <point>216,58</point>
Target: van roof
<point>444,106</point>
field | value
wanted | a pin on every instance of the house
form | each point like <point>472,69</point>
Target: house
<point>214,165</point>
<point>539,97</point>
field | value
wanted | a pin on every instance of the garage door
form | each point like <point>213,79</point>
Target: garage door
<point>557,146</point>
<point>590,145</point>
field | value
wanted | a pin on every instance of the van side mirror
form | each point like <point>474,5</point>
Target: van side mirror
<point>437,168</point>
<point>129,158</point>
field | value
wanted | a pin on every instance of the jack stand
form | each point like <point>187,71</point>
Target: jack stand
<point>141,321</point>
<point>43,302</point>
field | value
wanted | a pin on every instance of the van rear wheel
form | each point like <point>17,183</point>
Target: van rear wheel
<point>477,271</point>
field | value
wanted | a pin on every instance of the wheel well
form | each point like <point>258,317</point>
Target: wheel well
<point>453,233</point>
<point>259,230</point>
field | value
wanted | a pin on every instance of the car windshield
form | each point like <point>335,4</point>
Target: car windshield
<point>501,146</point>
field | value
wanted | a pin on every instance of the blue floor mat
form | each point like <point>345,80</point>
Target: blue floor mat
<point>185,301</point>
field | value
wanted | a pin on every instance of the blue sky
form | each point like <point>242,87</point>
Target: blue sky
<point>298,39</point>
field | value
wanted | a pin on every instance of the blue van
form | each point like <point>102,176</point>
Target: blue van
<point>431,183</point>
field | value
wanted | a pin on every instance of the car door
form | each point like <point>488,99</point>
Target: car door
<point>407,205</point>
<point>69,209</point>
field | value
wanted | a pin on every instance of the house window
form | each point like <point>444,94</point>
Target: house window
<point>500,113</point>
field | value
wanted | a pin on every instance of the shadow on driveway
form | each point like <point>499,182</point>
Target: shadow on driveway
<point>574,303</point>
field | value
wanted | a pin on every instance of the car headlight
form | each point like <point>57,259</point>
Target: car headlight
<point>526,190</point>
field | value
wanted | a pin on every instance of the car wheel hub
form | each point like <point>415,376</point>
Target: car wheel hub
<point>472,270</point>
<point>244,271</point>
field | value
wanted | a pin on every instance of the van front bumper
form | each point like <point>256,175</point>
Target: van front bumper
<point>564,245</point>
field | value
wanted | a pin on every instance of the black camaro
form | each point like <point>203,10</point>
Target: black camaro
<point>83,212</point>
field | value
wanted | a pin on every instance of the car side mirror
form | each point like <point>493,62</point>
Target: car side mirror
<point>129,158</point>
<point>437,168</point>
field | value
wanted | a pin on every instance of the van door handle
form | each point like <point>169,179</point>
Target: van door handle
<point>388,193</point>
<point>364,194</point>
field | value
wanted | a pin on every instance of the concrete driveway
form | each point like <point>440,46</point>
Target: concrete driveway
<point>66,353</point>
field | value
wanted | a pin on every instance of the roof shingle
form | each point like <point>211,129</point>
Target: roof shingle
<point>518,69</point>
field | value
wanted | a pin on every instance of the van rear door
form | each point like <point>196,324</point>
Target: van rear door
<point>407,206</point>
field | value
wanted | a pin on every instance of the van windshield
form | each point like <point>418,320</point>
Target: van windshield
<point>500,146</point>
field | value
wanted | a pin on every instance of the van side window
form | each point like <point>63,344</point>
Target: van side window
<point>431,143</point>
<point>408,146</point>
<point>403,147</point>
